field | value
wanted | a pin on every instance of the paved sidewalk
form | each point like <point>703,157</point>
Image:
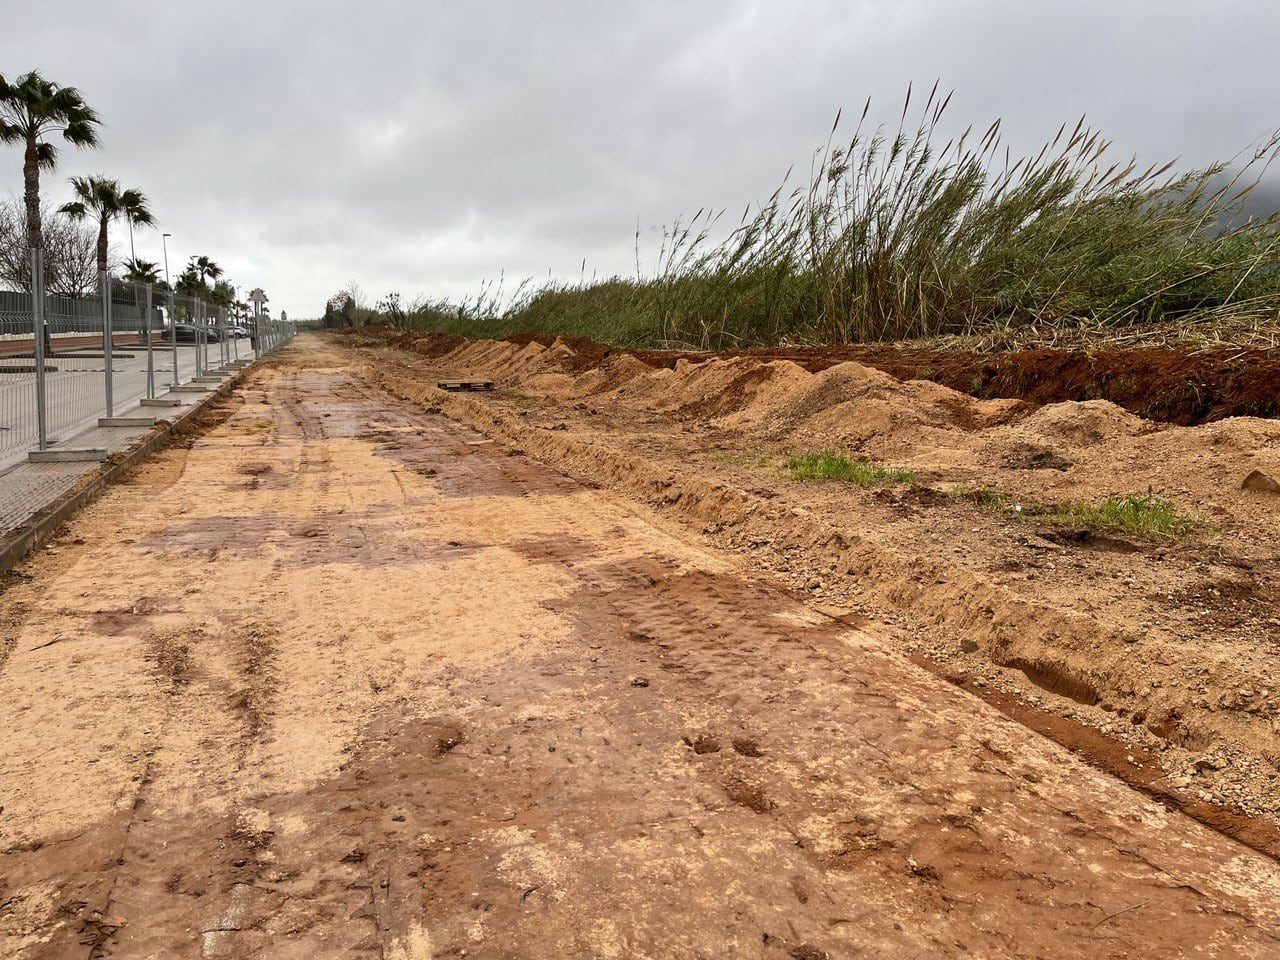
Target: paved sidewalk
<point>27,489</point>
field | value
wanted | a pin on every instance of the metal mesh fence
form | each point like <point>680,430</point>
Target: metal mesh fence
<point>19,427</point>
<point>99,355</point>
<point>74,383</point>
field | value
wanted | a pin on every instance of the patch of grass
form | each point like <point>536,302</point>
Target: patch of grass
<point>982,496</point>
<point>819,465</point>
<point>1148,516</point>
<point>1140,515</point>
<point>740,458</point>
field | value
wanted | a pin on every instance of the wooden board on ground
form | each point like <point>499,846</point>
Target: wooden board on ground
<point>456,385</point>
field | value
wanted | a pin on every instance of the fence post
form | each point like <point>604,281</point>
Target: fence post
<point>173,333</point>
<point>37,332</point>
<point>105,282</point>
<point>151,364</point>
<point>197,319</point>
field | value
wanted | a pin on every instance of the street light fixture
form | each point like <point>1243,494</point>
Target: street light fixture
<point>169,314</point>
<point>165,247</point>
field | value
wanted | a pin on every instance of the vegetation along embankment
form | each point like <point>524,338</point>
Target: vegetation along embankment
<point>901,234</point>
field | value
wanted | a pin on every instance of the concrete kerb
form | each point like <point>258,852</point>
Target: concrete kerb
<point>67,455</point>
<point>46,522</point>
<point>126,421</point>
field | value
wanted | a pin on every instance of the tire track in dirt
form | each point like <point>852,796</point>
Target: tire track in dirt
<point>162,863</point>
<point>87,917</point>
<point>1058,649</point>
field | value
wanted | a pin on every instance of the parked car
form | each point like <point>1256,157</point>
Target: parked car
<point>188,333</point>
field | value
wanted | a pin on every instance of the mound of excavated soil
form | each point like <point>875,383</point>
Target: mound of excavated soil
<point>1179,385</point>
<point>614,372</point>
<point>1083,424</point>
<point>919,423</point>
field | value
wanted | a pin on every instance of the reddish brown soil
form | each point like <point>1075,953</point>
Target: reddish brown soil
<point>1184,386</point>
<point>1169,644</point>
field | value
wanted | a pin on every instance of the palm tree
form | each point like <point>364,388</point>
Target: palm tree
<point>31,109</point>
<point>105,200</point>
<point>206,268</point>
<point>223,294</point>
<point>189,282</point>
<point>141,271</point>
<point>134,203</point>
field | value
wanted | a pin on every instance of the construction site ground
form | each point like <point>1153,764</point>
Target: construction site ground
<point>575,670</point>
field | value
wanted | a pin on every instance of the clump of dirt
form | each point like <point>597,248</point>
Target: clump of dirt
<point>703,743</point>
<point>1029,456</point>
<point>748,795</point>
<point>171,656</point>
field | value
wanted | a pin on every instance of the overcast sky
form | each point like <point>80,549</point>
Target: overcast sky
<point>424,146</point>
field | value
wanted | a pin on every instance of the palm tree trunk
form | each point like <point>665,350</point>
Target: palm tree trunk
<point>31,193</point>
<point>35,230</point>
<point>102,244</point>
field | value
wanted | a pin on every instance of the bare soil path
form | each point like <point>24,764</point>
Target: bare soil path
<point>346,679</point>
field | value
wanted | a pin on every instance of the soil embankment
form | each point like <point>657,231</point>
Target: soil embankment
<point>1167,646</point>
<point>1180,385</point>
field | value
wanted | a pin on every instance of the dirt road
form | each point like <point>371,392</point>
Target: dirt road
<point>346,679</point>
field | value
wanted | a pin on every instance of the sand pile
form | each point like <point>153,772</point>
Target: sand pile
<point>615,372</point>
<point>1083,424</point>
<point>481,356</point>
<point>512,364</point>
<point>719,387</point>
<point>790,404</point>
<point>695,390</point>
<point>847,405</point>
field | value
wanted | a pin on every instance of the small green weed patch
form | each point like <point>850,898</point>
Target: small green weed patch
<point>1146,516</point>
<point>740,458</point>
<point>1149,515</point>
<point>819,465</point>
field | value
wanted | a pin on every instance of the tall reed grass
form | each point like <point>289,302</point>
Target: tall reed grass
<point>896,236</point>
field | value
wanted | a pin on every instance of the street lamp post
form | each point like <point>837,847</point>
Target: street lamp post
<point>173,326</point>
